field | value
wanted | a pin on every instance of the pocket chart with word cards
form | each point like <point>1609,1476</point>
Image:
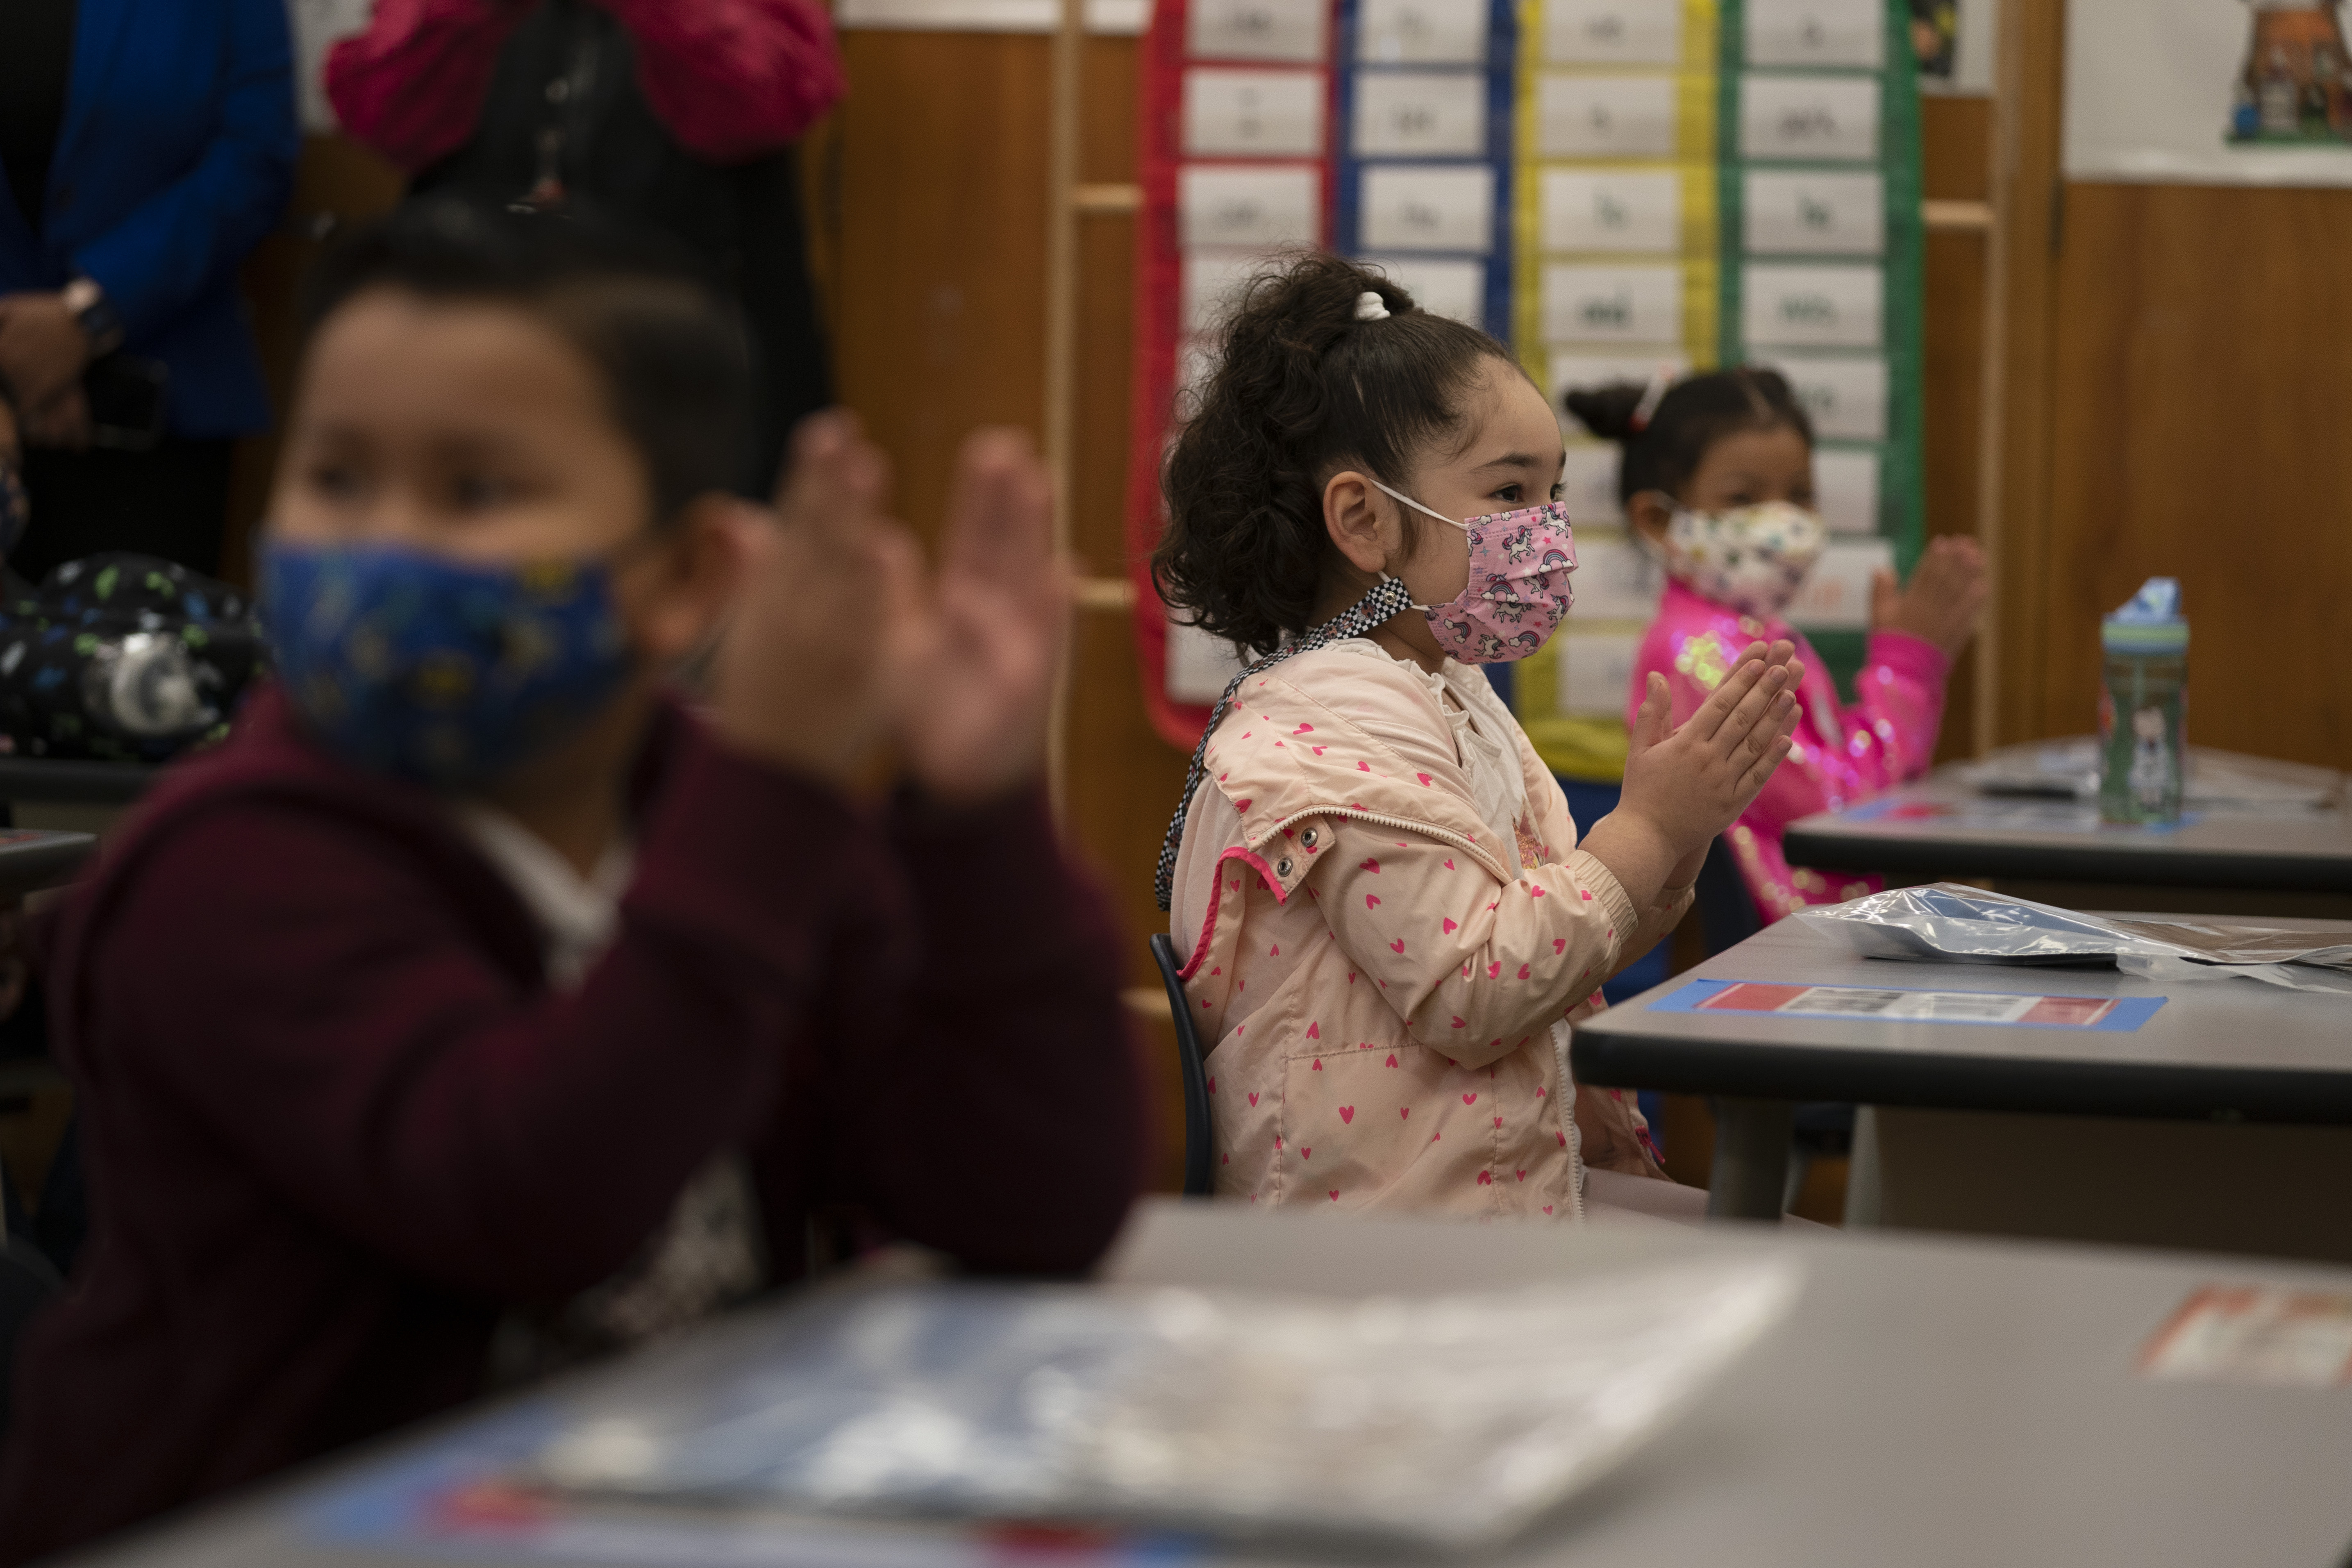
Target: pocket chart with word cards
<point>1612,189</point>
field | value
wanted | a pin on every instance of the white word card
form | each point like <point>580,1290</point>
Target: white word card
<point>1787,306</point>
<point>1196,362</point>
<point>1846,489</point>
<point>1817,33</point>
<point>1288,31</point>
<point>1420,114</point>
<point>1198,666</point>
<point>1836,593</point>
<point>1811,213</point>
<point>1443,286</point>
<point>1588,488</point>
<point>1617,579</point>
<point>1612,32</point>
<point>1605,116</point>
<point>1834,119</point>
<point>1422,32</point>
<point>1611,210</point>
<point>1253,114</point>
<point>1595,671</point>
<point>1212,283</point>
<point>1843,395</point>
<point>1613,304</point>
<point>1449,207</point>
<point>1223,205</point>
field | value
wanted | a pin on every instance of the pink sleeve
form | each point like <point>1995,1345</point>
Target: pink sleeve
<point>411,85</point>
<point>1899,696</point>
<point>734,78</point>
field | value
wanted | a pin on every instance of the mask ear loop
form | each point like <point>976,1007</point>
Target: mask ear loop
<point>1655,549</point>
<point>1425,511</point>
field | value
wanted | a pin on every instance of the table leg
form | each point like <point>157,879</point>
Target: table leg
<point>1751,1158</point>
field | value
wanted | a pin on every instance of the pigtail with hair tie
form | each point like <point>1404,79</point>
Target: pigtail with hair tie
<point>1652,396</point>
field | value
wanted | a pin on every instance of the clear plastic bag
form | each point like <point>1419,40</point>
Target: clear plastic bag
<point>1946,921</point>
<point>1445,1421</point>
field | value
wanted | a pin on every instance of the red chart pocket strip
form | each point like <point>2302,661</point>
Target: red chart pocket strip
<point>1235,155</point>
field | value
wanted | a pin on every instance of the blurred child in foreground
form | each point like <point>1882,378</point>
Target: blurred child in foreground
<point>476,1006</point>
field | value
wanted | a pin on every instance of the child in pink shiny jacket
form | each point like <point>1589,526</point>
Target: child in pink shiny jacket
<point>1717,481</point>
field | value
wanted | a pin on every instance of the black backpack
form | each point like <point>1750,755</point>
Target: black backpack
<point>122,657</point>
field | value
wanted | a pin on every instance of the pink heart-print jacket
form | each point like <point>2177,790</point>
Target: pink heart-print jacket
<point>1380,992</point>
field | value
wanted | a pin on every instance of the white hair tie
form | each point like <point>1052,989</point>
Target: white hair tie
<point>1371,307</point>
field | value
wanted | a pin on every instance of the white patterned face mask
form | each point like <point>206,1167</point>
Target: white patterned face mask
<point>1753,558</point>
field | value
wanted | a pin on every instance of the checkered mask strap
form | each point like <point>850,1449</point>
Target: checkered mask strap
<point>1384,602</point>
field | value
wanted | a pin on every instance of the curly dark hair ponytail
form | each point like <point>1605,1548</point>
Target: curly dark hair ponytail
<point>1301,390</point>
<point>1697,412</point>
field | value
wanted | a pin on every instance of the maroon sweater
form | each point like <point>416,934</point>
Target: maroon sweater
<point>337,1122</point>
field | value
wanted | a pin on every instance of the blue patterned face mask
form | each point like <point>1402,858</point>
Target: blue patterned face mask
<point>434,670</point>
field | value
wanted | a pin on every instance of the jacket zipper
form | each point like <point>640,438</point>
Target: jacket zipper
<point>1567,1120</point>
<point>1443,834</point>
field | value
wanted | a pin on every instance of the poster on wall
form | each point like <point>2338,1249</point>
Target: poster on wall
<point>1952,42</point>
<point>2210,92</point>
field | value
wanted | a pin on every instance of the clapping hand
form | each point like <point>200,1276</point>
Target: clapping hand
<point>796,678</point>
<point>1684,783</point>
<point>969,669</point>
<point>840,641</point>
<point>1694,780</point>
<point>1946,596</point>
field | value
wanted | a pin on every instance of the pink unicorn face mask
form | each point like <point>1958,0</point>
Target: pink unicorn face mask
<point>1519,590</point>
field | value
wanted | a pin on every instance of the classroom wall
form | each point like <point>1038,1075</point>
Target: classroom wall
<point>2169,386</point>
<point>2178,392</point>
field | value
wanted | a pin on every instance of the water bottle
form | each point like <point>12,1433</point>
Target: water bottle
<point>2142,705</point>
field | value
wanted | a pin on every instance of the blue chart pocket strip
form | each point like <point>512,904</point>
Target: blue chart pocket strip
<point>1421,150</point>
<point>1914,1005</point>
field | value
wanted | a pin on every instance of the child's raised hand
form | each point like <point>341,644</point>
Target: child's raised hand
<point>796,680</point>
<point>970,669</point>
<point>1946,595</point>
<point>1693,782</point>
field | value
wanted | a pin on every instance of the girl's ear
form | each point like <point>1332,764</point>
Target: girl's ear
<point>1647,513</point>
<point>1353,525</point>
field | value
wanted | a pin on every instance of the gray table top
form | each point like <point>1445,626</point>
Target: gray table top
<point>74,781</point>
<point>1941,827</point>
<point>32,858</point>
<point>2225,1046</point>
<point>1927,1403</point>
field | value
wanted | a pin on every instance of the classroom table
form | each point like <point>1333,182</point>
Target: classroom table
<point>32,858</point>
<point>1941,827</point>
<point>2259,1071</point>
<point>1928,1403</point>
<point>47,780</point>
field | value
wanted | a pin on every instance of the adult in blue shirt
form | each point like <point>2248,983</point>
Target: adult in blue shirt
<point>147,146</point>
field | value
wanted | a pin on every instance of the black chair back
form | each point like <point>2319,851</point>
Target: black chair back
<point>1191,1063</point>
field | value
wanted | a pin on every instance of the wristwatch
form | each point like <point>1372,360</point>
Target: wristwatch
<point>87,304</point>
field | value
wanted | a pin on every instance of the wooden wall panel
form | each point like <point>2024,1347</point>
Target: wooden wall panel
<point>932,232</point>
<point>942,246</point>
<point>2018,299</point>
<point>2202,391</point>
<point>1955,142</point>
